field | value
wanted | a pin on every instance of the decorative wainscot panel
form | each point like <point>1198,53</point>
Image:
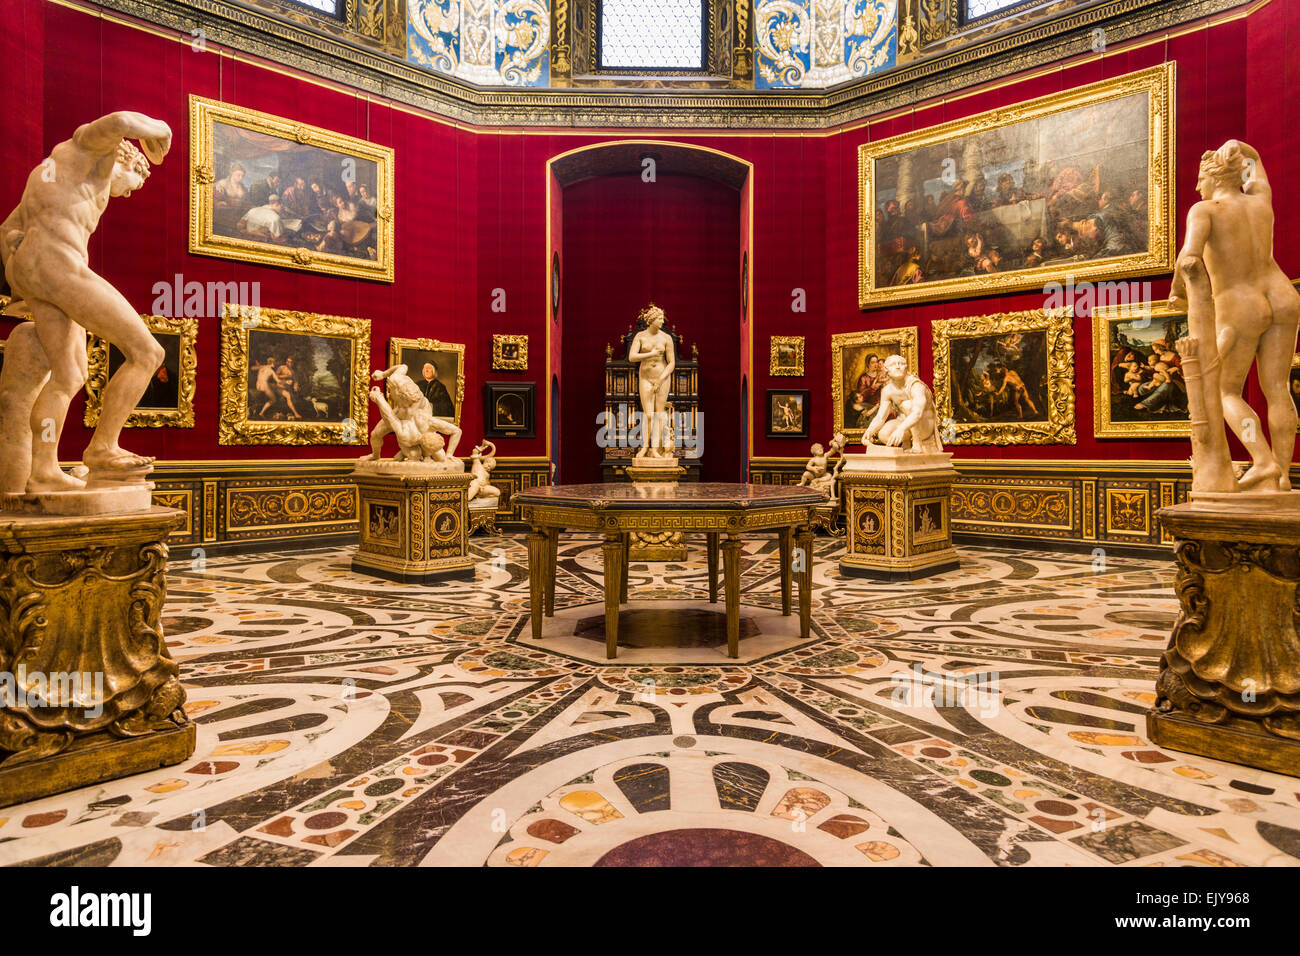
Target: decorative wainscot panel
<point>273,191</point>
<point>168,400</point>
<point>1014,197</point>
<point>1006,379</point>
<point>292,378</point>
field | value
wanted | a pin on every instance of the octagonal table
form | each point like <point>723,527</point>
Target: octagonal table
<point>722,511</point>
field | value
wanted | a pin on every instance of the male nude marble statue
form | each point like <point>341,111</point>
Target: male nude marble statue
<point>43,249</point>
<point>652,349</point>
<point>917,421</point>
<point>1241,309</point>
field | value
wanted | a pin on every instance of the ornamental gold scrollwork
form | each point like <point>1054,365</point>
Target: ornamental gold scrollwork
<point>1057,327</point>
<point>272,507</point>
<point>1013,506</point>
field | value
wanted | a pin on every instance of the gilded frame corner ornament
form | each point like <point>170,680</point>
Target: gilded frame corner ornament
<point>905,336</point>
<point>1059,429</point>
<point>774,362</point>
<point>234,427</point>
<point>1102,425</point>
<point>499,362</point>
<point>97,373</point>
<point>1158,82</point>
<point>204,241</point>
<point>395,346</point>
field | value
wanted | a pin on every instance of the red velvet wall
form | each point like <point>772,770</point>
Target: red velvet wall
<point>674,241</point>
<point>472,218</point>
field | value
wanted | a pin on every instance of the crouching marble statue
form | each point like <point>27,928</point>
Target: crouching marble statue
<point>413,507</point>
<point>1229,681</point>
<point>897,493</point>
<point>88,691</point>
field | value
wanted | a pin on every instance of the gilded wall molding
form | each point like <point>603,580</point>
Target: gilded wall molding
<point>365,68</point>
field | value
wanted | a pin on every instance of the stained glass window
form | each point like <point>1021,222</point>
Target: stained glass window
<point>324,6</point>
<point>652,34</point>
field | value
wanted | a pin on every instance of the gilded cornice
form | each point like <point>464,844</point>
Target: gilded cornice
<point>233,30</point>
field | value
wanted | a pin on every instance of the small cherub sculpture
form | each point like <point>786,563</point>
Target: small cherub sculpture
<point>410,418</point>
<point>917,419</point>
<point>482,461</point>
<point>818,474</point>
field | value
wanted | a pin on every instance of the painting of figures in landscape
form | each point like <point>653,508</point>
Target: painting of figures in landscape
<point>999,378</point>
<point>1139,388</point>
<point>974,207</point>
<point>298,378</point>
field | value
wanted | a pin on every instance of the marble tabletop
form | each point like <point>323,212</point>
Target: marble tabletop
<point>686,495</point>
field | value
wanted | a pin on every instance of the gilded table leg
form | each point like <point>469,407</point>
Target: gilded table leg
<point>627,545</point>
<point>731,580</point>
<point>804,539</point>
<point>552,546</point>
<point>786,536</point>
<point>713,567</point>
<point>536,579</point>
<point>613,551</point>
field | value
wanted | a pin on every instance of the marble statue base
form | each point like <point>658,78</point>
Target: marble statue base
<point>650,474</point>
<point>414,527</point>
<point>86,502</point>
<point>897,514</point>
<point>88,690</point>
<point>1229,681</point>
<point>425,466</point>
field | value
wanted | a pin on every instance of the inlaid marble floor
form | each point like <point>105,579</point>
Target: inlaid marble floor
<point>351,722</point>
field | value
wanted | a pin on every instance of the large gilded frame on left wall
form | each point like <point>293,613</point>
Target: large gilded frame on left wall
<point>360,161</point>
<point>344,419</point>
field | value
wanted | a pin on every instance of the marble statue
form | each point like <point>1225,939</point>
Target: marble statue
<point>819,474</point>
<point>482,461</point>
<point>43,249</point>
<point>917,421</point>
<point>409,418</point>
<point>652,349</point>
<point>1241,309</point>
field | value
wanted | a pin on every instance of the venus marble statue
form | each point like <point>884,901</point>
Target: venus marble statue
<point>1242,309</point>
<point>652,349</point>
<point>917,423</point>
<point>43,248</point>
<point>409,418</point>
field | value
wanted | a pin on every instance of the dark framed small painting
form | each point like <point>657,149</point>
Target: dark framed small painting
<point>787,412</point>
<point>509,410</point>
<point>555,286</point>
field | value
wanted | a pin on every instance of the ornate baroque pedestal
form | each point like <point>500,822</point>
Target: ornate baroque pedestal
<point>88,692</point>
<point>650,473</point>
<point>896,514</point>
<point>1229,684</point>
<point>414,527</point>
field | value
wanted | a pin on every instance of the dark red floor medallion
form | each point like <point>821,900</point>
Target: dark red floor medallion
<point>705,847</point>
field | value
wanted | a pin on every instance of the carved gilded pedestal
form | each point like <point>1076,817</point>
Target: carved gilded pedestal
<point>1229,683</point>
<point>897,508</point>
<point>656,545</point>
<point>88,691</point>
<point>414,527</point>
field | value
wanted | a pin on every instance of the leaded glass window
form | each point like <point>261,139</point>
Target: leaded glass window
<point>652,34</point>
<point>330,7</point>
<point>978,9</point>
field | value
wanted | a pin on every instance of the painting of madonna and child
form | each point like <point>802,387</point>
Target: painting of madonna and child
<point>998,208</point>
<point>1139,388</point>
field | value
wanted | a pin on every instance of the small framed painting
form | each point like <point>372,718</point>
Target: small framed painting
<point>168,400</point>
<point>509,410</point>
<point>509,353</point>
<point>786,355</point>
<point>787,412</point>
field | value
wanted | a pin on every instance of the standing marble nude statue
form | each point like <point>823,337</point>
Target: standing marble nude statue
<point>1241,309</point>
<point>43,250</point>
<point>917,421</point>
<point>652,348</point>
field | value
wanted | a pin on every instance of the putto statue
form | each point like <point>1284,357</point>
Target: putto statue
<point>43,248</point>
<point>1241,308</point>
<point>652,349</point>
<point>410,418</point>
<point>917,421</point>
<point>818,474</point>
<point>482,460</point>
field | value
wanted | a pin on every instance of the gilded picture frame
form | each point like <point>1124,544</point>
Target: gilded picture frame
<point>1026,215</point>
<point>509,353</point>
<point>787,355</point>
<point>852,401</point>
<point>1153,326</point>
<point>443,387</point>
<point>178,374</point>
<point>228,142</point>
<point>1005,379</point>
<point>318,398</point>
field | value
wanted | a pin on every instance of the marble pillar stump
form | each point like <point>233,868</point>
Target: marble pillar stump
<point>1229,682</point>
<point>88,690</point>
<point>651,473</point>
